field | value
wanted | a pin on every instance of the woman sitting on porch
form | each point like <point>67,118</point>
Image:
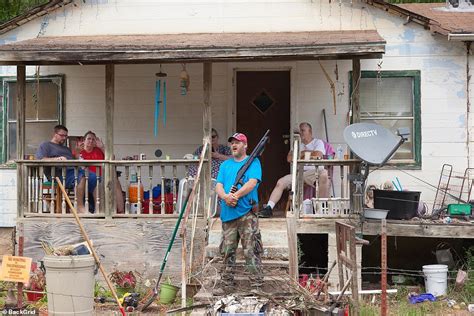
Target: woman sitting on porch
<point>92,148</point>
<point>219,154</point>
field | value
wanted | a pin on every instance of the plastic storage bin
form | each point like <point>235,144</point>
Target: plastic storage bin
<point>401,204</point>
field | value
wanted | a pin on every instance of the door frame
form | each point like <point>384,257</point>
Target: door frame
<point>233,68</point>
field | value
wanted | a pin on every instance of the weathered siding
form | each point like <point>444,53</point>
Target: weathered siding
<point>194,16</point>
<point>7,197</point>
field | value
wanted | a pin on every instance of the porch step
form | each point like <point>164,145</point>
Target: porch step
<point>274,238</point>
<point>272,284</point>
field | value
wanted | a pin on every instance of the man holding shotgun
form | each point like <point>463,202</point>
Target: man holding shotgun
<point>239,220</point>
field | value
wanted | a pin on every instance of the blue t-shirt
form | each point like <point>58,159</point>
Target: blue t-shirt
<point>227,174</point>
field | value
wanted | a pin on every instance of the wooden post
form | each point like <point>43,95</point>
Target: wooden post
<point>383,255</point>
<point>292,245</point>
<point>109,178</point>
<point>355,90</point>
<point>355,97</point>
<point>354,270</point>
<point>207,125</point>
<point>21,246</point>
<point>20,137</point>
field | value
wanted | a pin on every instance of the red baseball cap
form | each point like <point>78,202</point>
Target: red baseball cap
<point>238,136</point>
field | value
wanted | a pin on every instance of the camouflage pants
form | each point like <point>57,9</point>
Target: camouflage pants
<point>245,229</point>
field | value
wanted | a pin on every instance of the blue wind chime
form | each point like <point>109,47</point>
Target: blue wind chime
<point>160,98</point>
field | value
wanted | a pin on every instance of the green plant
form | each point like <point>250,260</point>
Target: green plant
<point>101,291</point>
<point>122,279</point>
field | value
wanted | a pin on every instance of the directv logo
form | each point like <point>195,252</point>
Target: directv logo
<point>364,134</point>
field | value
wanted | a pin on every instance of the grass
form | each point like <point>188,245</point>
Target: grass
<point>400,306</point>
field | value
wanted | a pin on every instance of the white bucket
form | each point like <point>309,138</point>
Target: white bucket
<point>436,279</point>
<point>70,285</point>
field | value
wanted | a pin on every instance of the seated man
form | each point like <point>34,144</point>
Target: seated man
<point>317,149</point>
<point>56,150</point>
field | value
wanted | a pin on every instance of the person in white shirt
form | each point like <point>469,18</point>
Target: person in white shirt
<point>316,149</point>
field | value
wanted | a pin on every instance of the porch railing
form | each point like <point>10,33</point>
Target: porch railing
<point>306,201</point>
<point>150,187</point>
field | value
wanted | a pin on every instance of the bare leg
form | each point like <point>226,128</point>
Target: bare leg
<point>80,196</point>
<point>282,185</point>
<point>323,187</point>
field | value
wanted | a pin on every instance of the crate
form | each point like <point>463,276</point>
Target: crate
<point>459,209</point>
<point>330,208</point>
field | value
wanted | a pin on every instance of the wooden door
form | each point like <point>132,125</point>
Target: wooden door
<point>263,102</point>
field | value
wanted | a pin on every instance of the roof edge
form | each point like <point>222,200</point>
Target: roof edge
<point>381,4</point>
<point>32,14</point>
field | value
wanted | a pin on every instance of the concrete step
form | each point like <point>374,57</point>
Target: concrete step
<point>274,239</point>
<point>271,253</point>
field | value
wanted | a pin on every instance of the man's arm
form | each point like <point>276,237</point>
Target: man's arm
<point>246,188</point>
<point>229,199</point>
<point>289,157</point>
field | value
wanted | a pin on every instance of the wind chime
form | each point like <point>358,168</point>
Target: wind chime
<point>160,98</point>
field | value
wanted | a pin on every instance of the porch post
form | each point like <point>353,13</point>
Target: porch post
<point>20,137</point>
<point>109,178</point>
<point>356,74</point>
<point>356,91</point>
<point>207,125</point>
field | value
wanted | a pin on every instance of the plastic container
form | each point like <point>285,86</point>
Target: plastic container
<point>70,285</point>
<point>375,213</point>
<point>168,293</point>
<point>339,152</point>
<point>133,192</point>
<point>401,204</point>
<point>308,206</point>
<point>436,279</point>
<point>459,209</point>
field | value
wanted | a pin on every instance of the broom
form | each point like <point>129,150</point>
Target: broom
<point>94,254</point>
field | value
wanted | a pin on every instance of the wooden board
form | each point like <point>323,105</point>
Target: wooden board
<point>138,244</point>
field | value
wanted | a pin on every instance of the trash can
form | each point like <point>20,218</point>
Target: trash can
<point>70,285</point>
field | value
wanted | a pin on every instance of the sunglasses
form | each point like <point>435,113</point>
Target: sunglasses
<point>62,135</point>
<point>214,136</point>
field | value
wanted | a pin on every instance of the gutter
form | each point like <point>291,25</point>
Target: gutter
<point>33,14</point>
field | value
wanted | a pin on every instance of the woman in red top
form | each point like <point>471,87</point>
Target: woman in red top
<point>92,148</point>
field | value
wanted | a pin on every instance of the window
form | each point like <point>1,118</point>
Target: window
<point>44,104</point>
<point>392,99</point>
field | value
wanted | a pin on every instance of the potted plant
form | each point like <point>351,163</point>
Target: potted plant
<point>123,281</point>
<point>168,292</point>
<point>37,283</point>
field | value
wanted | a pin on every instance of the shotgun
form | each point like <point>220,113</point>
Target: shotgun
<point>257,152</point>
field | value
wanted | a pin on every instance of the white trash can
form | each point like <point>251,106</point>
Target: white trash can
<point>436,279</point>
<point>70,285</point>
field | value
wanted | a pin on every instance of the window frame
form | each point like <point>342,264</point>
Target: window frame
<point>4,135</point>
<point>416,137</point>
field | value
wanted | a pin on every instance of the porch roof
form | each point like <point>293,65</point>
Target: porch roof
<point>199,47</point>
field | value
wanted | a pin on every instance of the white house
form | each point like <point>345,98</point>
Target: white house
<point>253,66</point>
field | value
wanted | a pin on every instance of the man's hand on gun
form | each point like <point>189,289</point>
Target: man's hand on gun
<point>231,199</point>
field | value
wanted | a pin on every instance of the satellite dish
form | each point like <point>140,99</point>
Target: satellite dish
<point>373,143</point>
<point>158,153</point>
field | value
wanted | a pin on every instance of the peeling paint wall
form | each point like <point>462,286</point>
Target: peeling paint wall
<point>409,47</point>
